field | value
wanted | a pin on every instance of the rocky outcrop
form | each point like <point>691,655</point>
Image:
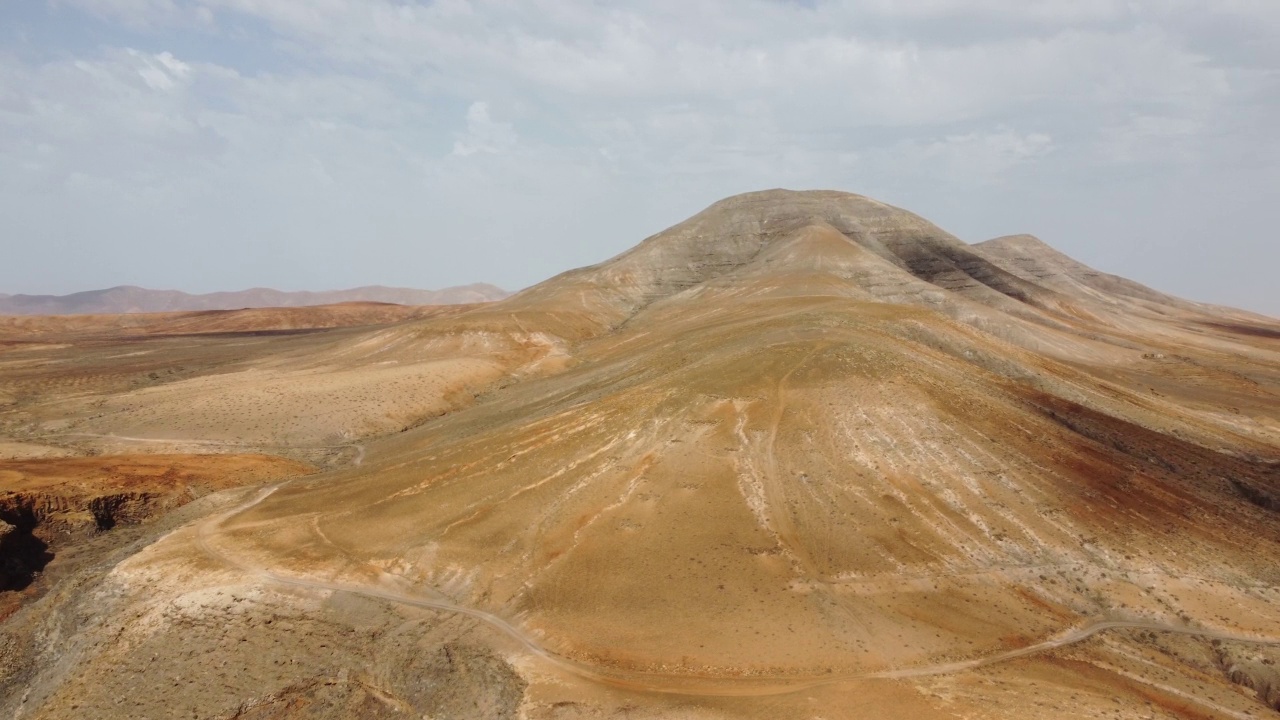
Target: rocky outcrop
<point>52,516</point>
<point>34,525</point>
<point>1258,496</point>
<point>1259,674</point>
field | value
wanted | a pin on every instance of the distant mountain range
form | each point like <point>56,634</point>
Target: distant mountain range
<point>131,299</point>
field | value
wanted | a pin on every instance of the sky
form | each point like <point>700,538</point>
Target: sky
<point>210,145</point>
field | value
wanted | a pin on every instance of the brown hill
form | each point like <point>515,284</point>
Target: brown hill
<point>802,446</point>
<point>130,299</point>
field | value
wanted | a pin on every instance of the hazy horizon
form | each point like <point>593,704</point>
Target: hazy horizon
<point>232,291</point>
<point>220,145</point>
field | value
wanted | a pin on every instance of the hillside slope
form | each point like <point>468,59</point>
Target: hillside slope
<point>804,446</point>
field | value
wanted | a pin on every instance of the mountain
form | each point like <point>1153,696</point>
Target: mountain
<point>129,299</point>
<point>804,454</point>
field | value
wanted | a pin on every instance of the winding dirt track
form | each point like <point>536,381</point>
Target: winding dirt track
<point>671,683</point>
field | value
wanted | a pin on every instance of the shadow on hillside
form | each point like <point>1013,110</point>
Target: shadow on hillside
<point>22,555</point>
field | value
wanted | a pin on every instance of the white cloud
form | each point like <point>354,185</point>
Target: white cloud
<point>346,118</point>
<point>483,133</point>
<point>975,157</point>
<point>1150,139</point>
<point>161,72</point>
<point>140,14</point>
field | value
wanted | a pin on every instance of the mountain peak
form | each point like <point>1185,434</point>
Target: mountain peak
<point>790,242</point>
<point>1023,241</point>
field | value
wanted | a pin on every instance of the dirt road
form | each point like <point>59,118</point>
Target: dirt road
<point>671,683</point>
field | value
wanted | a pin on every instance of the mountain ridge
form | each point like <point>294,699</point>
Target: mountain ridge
<point>133,299</point>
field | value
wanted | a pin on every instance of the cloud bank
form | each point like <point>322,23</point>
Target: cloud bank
<point>218,144</point>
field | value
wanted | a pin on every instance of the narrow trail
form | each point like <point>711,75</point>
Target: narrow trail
<point>770,481</point>
<point>672,683</point>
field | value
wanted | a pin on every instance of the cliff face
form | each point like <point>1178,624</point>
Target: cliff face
<point>48,506</point>
<point>54,516</point>
<point>36,525</point>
